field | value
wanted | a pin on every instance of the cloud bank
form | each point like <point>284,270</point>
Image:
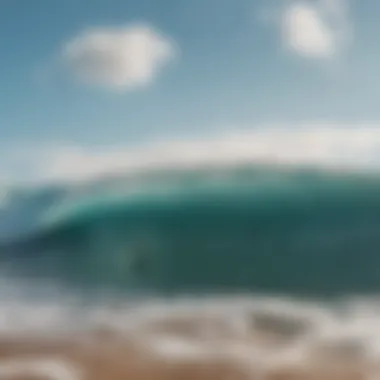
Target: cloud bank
<point>121,58</point>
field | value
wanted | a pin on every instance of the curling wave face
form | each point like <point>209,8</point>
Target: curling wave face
<point>263,229</point>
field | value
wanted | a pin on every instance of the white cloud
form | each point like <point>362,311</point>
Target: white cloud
<point>326,145</point>
<point>315,29</point>
<point>119,58</point>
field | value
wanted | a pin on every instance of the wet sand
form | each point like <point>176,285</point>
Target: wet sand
<point>104,358</point>
<point>106,355</point>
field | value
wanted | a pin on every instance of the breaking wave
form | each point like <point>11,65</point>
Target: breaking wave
<point>268,268</point>
<point>264,229</point>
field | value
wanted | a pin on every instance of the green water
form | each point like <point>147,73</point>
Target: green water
<point>295,231</point>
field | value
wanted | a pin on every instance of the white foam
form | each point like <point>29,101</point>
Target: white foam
<point>329,145</point>
<point>179,348</point>
<point>48,368</point>
<point>262,332</point>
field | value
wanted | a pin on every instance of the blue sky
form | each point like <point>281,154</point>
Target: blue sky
<point>83,79</point>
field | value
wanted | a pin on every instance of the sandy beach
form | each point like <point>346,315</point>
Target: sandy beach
<point>109,358</point>
<point>35,360</point>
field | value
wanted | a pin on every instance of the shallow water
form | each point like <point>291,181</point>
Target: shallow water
<point>265,337</point>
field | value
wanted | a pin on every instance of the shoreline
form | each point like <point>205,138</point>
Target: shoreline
<point>109,355</point>
<point>114,360</point>
<point>203,340</point>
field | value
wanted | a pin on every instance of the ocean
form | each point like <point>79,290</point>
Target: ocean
<point>278,230</point>
<point>270,266</point>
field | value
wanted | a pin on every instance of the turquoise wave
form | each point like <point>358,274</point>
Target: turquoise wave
<point>294,231</point>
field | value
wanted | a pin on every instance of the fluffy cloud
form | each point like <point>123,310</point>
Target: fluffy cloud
<point>326,145</point>
<point>119,58</point>
<point>317,29</point>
